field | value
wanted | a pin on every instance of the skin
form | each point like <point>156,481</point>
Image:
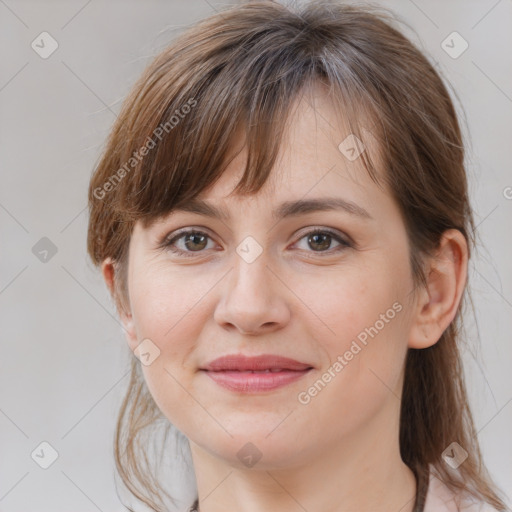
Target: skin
<point>340,451</point>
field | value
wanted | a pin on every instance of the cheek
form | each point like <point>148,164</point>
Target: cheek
<point>167,304</point>
<point>364,327</point>
<point>346,303</point>
<point>361,379</point>
<point>169,308</point>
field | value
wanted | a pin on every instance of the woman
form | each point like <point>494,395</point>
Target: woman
<point>281,215</point>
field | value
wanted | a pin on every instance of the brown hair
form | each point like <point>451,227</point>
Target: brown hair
<point>240,69</point>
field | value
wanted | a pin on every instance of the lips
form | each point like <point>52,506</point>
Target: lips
<point>262,363</point>
<point>255,374</point>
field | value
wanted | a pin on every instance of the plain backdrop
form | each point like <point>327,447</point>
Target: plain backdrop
<point>63,360</point>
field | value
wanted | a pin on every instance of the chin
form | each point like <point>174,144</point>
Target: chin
<point>256,449</point>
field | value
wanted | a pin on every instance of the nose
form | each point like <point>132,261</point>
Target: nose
<point>253,299</point>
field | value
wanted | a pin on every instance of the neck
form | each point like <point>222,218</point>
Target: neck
<point>363,473</point>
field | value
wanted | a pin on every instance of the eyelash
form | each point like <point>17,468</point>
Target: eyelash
<point>168,242</point>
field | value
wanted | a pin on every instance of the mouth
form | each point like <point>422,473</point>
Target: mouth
<point>255,374</point>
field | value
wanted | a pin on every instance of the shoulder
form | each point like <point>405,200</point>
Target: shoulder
<point>440,498</point>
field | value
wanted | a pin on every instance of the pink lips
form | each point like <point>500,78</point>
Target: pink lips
<point>255,374</point>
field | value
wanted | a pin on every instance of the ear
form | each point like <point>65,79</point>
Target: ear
<point>437,304</point>
<point>108,269</point>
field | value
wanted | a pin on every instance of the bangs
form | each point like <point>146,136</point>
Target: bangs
<point>190,117</point>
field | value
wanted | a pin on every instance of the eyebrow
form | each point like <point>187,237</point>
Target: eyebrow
<point>286,209</point>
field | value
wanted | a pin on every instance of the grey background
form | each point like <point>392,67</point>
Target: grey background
<point>64,361</point>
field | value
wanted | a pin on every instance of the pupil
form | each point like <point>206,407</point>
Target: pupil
<point>323,244</point>
<point>192,237</point>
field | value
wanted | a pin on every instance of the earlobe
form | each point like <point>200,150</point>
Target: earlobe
<point>108,272</point>
<point>437,304</point>
<point>129,330</point>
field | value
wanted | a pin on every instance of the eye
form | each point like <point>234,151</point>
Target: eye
<point>321,240</point>
<point>192,241</point>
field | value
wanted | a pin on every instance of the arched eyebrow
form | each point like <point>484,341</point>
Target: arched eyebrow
<point>286,209</point>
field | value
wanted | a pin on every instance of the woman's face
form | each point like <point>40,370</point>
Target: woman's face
<point>256,282</point>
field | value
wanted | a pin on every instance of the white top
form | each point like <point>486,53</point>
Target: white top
<point>441,498</point>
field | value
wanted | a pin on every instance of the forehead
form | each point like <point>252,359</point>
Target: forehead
<point>318,158</point>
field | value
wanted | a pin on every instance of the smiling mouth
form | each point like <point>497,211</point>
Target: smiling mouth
<point>268,370</point>
<point>256,381</point>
